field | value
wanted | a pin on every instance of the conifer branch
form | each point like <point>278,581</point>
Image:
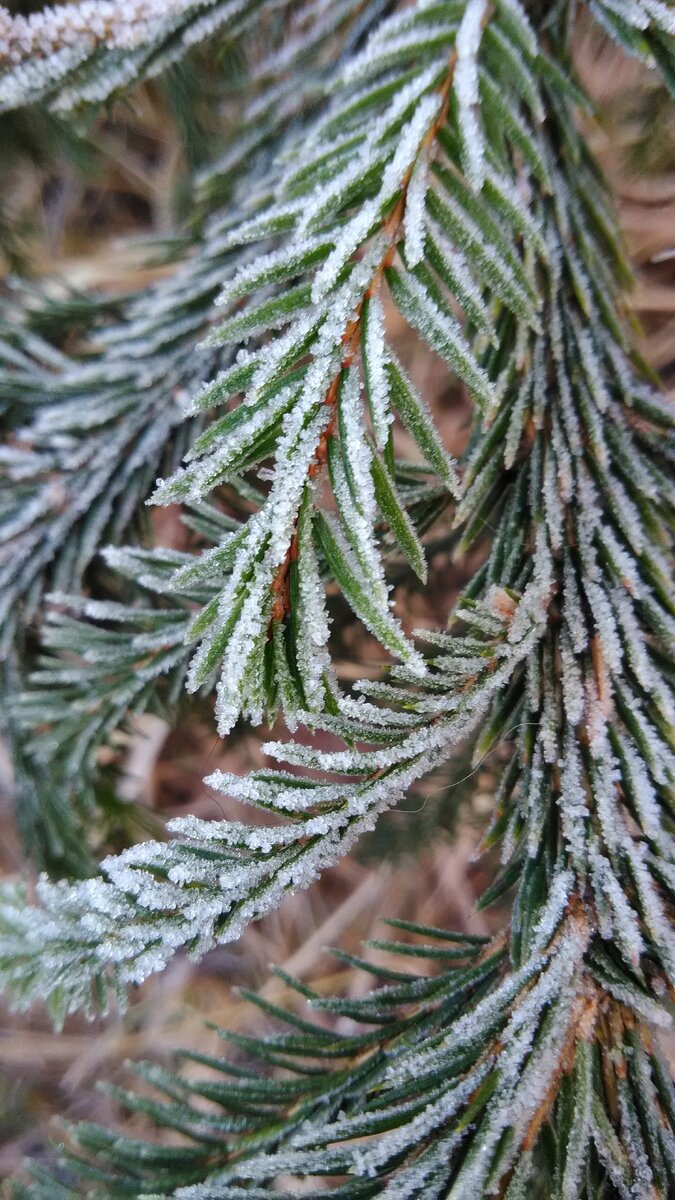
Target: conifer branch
<point>392,228</point>
<point>70,481</point>
<point>77,54</point>
<point>450,1084</point>
<point>559,469</point>
<point>448,167</point>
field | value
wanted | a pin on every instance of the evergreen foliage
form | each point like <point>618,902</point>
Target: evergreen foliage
<point>429,152</point>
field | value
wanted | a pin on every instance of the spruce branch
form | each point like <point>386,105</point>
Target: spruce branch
<point>86,434</point>
<point>450,1082</point>
<point>336,313</point>
<point>90,432</point>
<point>564,619</point>
<point>392,229</point>
<point>78,54</point>
<point>449,169</point>
<point>207,884</point>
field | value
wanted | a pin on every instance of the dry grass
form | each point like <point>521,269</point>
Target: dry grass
<point>42,1075</point>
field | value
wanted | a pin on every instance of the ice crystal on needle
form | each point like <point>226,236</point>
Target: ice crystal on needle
<point>466,84</point>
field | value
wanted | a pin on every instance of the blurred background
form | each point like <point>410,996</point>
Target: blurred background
<point>77,213</point>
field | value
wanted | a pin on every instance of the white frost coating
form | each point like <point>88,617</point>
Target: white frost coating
<point>562,958</point>
<point>421,742</point>
<point>520,19</point>
<point>377,147</point>
<point>374,361</point>
<point>345,111</point>
<point>391,41</point>
<point>595,376</point>
<point>516,422</point>
<point>580,1131</point>
<point>253,275</point>
<point>589,504</point>
<point>655,917</point>
<point>250,630</point>
<point>414,215</point>
<point>427,1176</point>
<point>296,449</point>
<point>467,1029</point>
<point>195,481</point>
<point>635,1143</point>
<point>605,624</point>
<point>513,197</point>
<point>540,395</point>
<point>107,922</point>
<point>535,802</point>
<point>237,877</point>
<point>605,776</point>
<point>313,627</point>
<point>464,287</point>
<point>358,513</point>
<point>525,1068</point>
<point>572,680</point>
<point>533,680</point>
<point>265,547</point>
<point>555,513</point>
<point>560,890</point>
<point>304,26</point>
<point>641,665</point>
<point>594,425</point>
<point>434,1115</point>
<point>652,1011</point>
<point>624,925</point>
<point>662,14</point>
<point>625,512</point>
<point>568,411</point>
<point>573,803</point>
<point>445,335</point>
<point>228,597</point>
<point>359,227</point>
<point>270,530</point>
<point>565,465</point>
<point>533,604</point>
<point>549,722</point>
<point>281,791</point>
<point>357,453</point>
<point>383,624</point>
<point>45,46</point>
<point>322,203</point>
<point>370,715</point>
<point>31,79</point>
<point>466,87</point>
<point>657,751</point>
<point>636,12</point>
<point>641,790</point>
<point>282,348</point>
<point>624,564</point>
